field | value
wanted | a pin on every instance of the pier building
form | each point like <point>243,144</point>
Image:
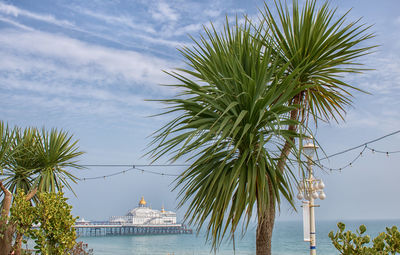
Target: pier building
<point>144,215</point>
<point>141,220</point>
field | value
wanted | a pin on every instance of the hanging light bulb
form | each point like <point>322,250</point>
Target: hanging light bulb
<point>321,184</point>
<point>307,196</point>
<point>302,185</point>
<point>314,195</point>
<point>322,195</point>
<point>300,196</point>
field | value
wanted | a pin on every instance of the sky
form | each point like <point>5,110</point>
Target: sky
<point>87,67</point>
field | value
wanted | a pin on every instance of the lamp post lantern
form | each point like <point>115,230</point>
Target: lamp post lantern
<point>310,189</point>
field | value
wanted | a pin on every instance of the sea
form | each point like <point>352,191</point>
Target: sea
<point>287,240</point>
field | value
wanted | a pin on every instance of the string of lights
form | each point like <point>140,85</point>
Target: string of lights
<point>129,165</point>
<point>364,147</point>
<point>132,168</point>
<point>360,146</point>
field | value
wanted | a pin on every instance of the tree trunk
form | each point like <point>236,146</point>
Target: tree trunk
<point>266,222</point>
<point>264,230</point>
<point>18,244</point>
<point>6,240</point>
<point>294,115</point>
<point>6,230</point>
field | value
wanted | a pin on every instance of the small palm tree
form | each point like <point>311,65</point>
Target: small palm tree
<point>231,113</point>
<point>33,161</point>
<point>41,159</point>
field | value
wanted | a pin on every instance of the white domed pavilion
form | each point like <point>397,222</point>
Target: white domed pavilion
<point>144,215</point>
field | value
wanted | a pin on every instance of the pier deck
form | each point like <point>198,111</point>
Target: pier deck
<point>104,229</point>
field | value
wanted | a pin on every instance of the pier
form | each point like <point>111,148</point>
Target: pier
<point>110,229</point>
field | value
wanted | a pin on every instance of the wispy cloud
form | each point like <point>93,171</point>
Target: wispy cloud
<point>138,30</point>
<point>122,20</point>
<point>130,65</point>
<point>163,12</point>
<point>16,24</point>
<point>52,71</point>
<point>15,11</point>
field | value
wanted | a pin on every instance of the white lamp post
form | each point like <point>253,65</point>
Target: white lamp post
<point>311,189</point>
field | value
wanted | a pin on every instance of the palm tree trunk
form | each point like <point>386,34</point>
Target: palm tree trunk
<point>266,222</point>
<point>264,230</point>
<point>6,229</point>
<point>294,115</point>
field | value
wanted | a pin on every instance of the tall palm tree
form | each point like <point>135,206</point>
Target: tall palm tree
<point>324,47</point>
<point>229,118</point>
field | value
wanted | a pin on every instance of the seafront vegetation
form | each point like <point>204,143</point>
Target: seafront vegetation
<point>247,97</point>
<point>54,233</point>
<point>349,243</point>
<point>33,162</point>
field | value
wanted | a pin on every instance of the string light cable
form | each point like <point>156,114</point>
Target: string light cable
<point>364,147</point>
<point>132,168</point>
<point>318,163</point>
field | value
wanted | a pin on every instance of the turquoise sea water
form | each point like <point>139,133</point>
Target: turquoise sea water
<point>287,240</point>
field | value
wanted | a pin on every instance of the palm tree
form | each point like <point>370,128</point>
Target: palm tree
<point>33,161</point>
<point>230,115</point>
<point>324,47</point>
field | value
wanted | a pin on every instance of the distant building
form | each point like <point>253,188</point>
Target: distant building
<point>143,215</point>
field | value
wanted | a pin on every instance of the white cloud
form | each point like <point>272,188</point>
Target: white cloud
<point>129,65</point>
<point>163,12</point>
<point>212,13</point>
<point>46,71</point>
<point>16,24</point>
<point>122,20</point>
<point>137,28</point>
<point>15,11</point>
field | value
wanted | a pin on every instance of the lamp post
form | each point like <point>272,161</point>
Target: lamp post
<point>311,189</point>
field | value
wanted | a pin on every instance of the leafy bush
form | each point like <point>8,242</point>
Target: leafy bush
<point>54,234</point>
<point>349,243</point>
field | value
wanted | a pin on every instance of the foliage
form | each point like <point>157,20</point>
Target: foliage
<point>31,160</point>
<point>80,249</point>
<point>23,214</point>
<point>324,47</point>
<point>52,215</point>
<point>40,158</point>
<point>5,148</point>
<point>232,108</point>
<point>349,243</point>
<point>56,234</point>
<point>247,91</point>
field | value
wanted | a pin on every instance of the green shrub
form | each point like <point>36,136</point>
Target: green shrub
<point>349,243</point>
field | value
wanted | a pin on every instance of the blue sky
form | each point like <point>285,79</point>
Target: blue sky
<point>88,66</point>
